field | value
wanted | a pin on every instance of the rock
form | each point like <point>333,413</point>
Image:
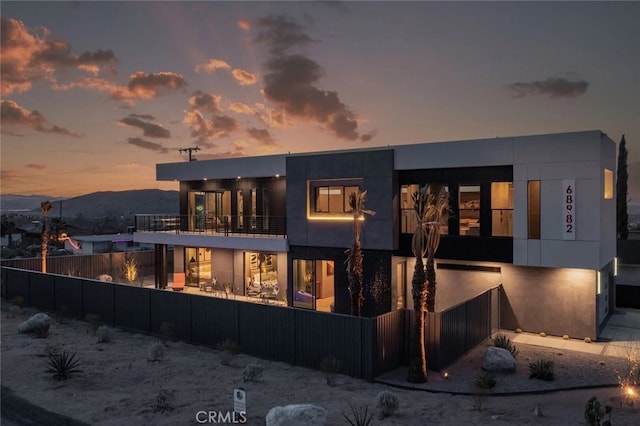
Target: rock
<point>105,277</point>
<point>37,321</point>
<point>498,360</point>
<point>297,415</point>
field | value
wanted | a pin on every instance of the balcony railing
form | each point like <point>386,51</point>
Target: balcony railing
<point>214,225</point>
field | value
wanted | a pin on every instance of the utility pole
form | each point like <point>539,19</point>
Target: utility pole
<point>190,150</point>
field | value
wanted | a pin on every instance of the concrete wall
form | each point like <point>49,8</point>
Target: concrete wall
<point>375,168</point>
<point>554,301</point>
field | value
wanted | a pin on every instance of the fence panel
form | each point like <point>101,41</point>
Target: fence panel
<point>68,296</point>
<point>266,331</point>
<point>98,299</point>
<point>170,314</point>
<point>16,284</point>
<point>42,292</point>
<point>213,320</point>
<point>319,335</point>
<point>131,307</point>
<point>388,349</point>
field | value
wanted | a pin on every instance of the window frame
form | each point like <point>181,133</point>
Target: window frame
<point>346,186</point>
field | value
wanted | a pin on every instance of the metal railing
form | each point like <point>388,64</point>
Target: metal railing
<point>214,225</point>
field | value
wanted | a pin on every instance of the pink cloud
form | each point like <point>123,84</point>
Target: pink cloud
<point>244,78</point>
<point>14,115</point>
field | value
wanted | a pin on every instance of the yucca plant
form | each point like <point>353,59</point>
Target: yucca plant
<point>541,369</point>
<point>361,415</point>
<point>63,364</point>
<point>504,342</point>
<point>485,381</point>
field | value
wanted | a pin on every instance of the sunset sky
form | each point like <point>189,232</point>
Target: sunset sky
<point>95,94</point>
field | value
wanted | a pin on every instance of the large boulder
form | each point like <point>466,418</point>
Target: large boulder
<point>36,322</point>
<point>498,360</point>
<point>105,277</point>
<point>297,415</point>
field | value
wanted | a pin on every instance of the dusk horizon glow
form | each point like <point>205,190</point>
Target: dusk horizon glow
<point>95,94</point>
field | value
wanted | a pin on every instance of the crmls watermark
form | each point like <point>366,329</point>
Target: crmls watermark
<point>221,417</point>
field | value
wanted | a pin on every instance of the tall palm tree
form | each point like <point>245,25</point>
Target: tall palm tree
<point>417,356</point>
<point>354,254</point>
<point>436,214</point>
<point>45,206</point>
<point>8,229</point>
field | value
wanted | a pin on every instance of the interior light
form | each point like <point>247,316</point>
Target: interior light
<point>615,266</point>
<point>598,282</point>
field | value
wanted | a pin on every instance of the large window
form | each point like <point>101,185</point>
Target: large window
<point>533,209</point>
<point>313,284</point>
<point>261,275</point>
<point>469,209</point>
<point>409,221</point>
<point>331,198</point>
<point>207,210</point>
<point>502,209</point>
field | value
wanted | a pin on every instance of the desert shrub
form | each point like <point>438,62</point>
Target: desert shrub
<point>229,348</point>
<point>104,334</point>
<point>130,270</point>
<point>63,364</point>
<point>155,352</point>
<point>387,403</point>
<point>541,369</point>
<point>51,350</point>
<point>41,331</point>
<point>93,321</point>
<point>360,415</point>
<point>330,366</point>
<point>504,342</point>
<point>485,381</point>
<point>595,412</point>
<point>252,372</point>
<point>18,301</point>
<point>168,329</point>
<point>163,401</point>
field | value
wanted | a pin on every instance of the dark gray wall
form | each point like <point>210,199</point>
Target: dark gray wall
<point>375,168</point>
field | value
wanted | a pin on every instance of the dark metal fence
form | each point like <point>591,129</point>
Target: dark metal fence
<point>367,347</point>
<point>452,333</point>
<point>91,265</point>
<point>221,225</point>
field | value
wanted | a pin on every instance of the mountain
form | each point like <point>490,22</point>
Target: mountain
<point>101,204</point>
<point>19,203</point>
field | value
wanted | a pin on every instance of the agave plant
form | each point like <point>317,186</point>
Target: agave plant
<point>63,365</point>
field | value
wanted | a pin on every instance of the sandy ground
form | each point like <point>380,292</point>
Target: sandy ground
<point>119,386</point>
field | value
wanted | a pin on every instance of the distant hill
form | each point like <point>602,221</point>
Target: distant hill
<point>101,204</point>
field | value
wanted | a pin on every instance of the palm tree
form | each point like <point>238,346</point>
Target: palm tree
<point>45,206</point>
<point>57,227</point>
<point>417,356</point>
<point>436,215</point>
<point>354,254</point>
<point>8,229</point>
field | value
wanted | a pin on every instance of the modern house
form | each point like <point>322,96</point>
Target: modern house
<point>533,213</point>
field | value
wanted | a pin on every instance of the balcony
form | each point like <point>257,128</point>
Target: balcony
<point>255,226</point>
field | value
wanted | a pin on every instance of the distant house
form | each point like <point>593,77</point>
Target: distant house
<point>533,213</point>
<point>91,244</point>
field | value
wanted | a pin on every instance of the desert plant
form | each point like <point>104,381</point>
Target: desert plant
<point>51,350</point>
<point>104,334</point>
<point>360,415</point>
<point>18,301</point>
<point>130,270</point>
<point>93,321</point>
<point>541,369</point>
<point>155,352</point>
<point>595,412</point>
<point>504,342</point>
<point>168,330</point>
<point>330,366</point>
<point>629,377</point>
<point>252,372</point>
<point>387,403</point>
<point>542,334</point>
<point>41,331</point>
<point>485,381</point>
<point>163,401</point>
<point>229,349</point>
<point>63,364</point>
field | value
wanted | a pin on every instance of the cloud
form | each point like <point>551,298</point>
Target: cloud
<point>150,130</point>
<point>28,57</point>
<point>37,166</point>
<point>141,86</point>
<point>261,135</point>
<point>291,79</point>
<point>244,78</point>
<point>553,87</point>
<point>237,150</point>
<point>10,175</point>
<point>205,102</point>
<point>212,64</point>
<point>12,114</point>
<point>244,25</point>
<point>145,144</point>
<point>240,108</point>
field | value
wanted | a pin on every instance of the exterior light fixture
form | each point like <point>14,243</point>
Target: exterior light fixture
<point>238,178</point>
<point>277,175</point>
